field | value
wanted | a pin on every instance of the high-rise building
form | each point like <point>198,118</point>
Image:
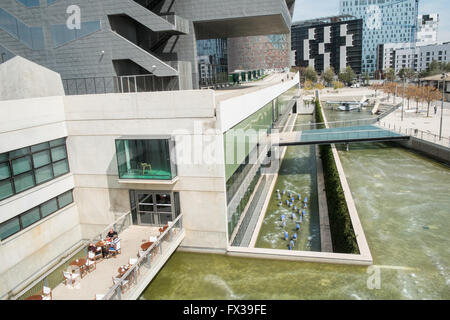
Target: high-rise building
<point>427,29</point>
<point>385,21</point>
<point>116,39</point>
<point>328,42</point>
<point>259,52</point>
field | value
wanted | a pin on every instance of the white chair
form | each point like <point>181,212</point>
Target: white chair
<point>140,253</point>
<point>132,261</point>
<point>98,253</point>
<point>153,239</point>
<point>46,293</point>
<point>72,277</point>
<point>99,296</point>
<point>115,248</point>
<point>123,284</point>
<point>91,264</point>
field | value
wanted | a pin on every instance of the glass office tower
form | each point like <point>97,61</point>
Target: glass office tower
<point>385,21</point>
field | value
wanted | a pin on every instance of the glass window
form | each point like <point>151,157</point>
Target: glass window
<point>57,142</point>
<point>30,217</point>
<point>49,207</point>
<point>39,147</point>
<point>17,153</point>
<point>37,37</point>
<point>144,159</point>
<point>163,203</point>
<point>6,189</point>
<point>4,171</point>
<point>4,157</point>
<point>41,159</point>
<point>60,168</point>
<point>146,202</point>
<point>21,165</point>
<point>29,3</point>
<point>43,174</point>
<point>23,182</point>
<point>9,227</point>
<point>65,199</point>
<point>59,153</point>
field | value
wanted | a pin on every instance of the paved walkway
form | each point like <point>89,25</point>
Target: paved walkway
<point>413,120</point>
<point>99,281</point>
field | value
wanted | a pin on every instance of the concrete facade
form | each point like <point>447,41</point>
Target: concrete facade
<point>195,119</point>
<point>130,37</point>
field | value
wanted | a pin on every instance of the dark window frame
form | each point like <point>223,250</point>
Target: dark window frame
<point>19,216</point>
<point>33,169</point>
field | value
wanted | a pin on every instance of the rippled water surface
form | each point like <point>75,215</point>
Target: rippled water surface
<point>403,200</point>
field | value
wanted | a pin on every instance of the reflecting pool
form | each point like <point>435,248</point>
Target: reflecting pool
<point>297,175</point>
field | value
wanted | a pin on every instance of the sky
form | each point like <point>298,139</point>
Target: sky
<point>309,9</point>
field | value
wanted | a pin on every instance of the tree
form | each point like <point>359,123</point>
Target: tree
<point>390,74</point>
<point>430,94</point>
<point>417,96</point>
<point>308,85</point>
<point>328,75</point>
<point>310,74</point>
<point>347,76</point>
<point>367,78</point>
<point>409,93</point>
<point>406,74</point>
<point>337,85</point>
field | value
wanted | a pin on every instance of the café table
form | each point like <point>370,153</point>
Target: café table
<point>35,297</point>
<point>81,264</point>
<point>146,245</point>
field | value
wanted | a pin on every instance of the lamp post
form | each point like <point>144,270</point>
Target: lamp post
<point>403,94</point>
<point>444,76</point>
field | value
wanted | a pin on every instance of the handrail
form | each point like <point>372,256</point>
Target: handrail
<point>147,253</point>
<point>81,244</point>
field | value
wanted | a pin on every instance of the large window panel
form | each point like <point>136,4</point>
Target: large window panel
<point>49,207</point>
<point>60,168</point>
<point>41,159</point>
<point>59,153</point>
<point>144,159</point>
<point>10,227</point>
<point>21,165</point>
<point>6,189</point>
<point>44,174</point>
<point>19,152</point>
<point>23,182</point>
<point>39,147</point>
<point>88,28</point>
<point>30,217</point>
<point>65,199</point>
<point>4,171</point>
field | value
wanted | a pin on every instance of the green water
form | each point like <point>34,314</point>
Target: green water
<point>403,201</point>
<point>297,175</point>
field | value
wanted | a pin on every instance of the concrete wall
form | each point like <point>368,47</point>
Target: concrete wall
<point>21,78</point>
<point>24,123</point>
<point>432,150</point>
<point>95,121</point>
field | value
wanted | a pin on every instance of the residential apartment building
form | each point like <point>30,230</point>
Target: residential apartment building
<point>328,42</point>
<point>399,56</point>
<point>120,38</point>
<point>212,60</point>
<point>384,21</point>
<point>427,29</point>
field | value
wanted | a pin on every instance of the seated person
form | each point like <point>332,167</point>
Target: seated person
<point>92,247</point>
<point>111,234</point>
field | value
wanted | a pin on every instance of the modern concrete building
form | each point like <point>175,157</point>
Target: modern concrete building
<point>398,56</point>
<point>259,52</point>
<point>71,165</point>
<point>427,29</point>
<point>328,42</point>
<point>385,21</point>
<point>116,39</point>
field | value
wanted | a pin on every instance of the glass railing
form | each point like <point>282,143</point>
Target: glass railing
<point>423,135</point>
<point>54,276</point>
<point>142,268</point>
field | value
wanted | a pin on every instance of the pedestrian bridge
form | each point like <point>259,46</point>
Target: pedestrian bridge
<point>361,133</point>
